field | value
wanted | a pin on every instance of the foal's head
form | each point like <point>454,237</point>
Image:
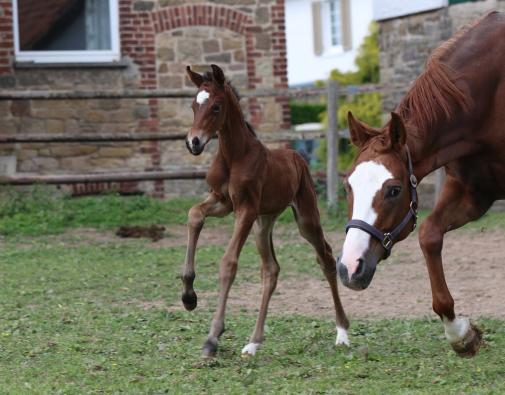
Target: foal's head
<point>209,107</point>
<point>379,193</point>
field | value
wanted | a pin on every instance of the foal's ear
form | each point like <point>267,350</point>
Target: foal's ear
<point>397,131</point>
<point>196,78</point>
<point>359,131</point>
<point>218,74</point>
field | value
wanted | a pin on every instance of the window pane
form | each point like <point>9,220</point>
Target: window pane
<point>56,25</point>
<point>331,23</point>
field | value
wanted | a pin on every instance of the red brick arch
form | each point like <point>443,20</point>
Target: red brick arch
<point>211,15</point>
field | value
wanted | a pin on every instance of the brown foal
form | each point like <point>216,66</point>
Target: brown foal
<point>452,117</point>
<point>257,184</point>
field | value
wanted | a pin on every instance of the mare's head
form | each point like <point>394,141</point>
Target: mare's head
<point>380,190</point>
<point>209,108</point>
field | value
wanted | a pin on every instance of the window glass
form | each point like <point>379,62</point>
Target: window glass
<point>60,25</point>
<point>331,21</point>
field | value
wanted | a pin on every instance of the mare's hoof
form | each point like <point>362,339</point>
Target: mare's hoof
<point>209,348</point>
<point>470,344</point>
<point>189,300</point>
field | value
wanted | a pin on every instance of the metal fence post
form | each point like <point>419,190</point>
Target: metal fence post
<point>332,145</point>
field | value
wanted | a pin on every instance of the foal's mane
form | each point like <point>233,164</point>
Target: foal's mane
<point>434,93</point>
<point>208,77</point>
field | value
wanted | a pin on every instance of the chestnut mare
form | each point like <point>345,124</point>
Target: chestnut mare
<point>257,184</point>
<point>453,116</point>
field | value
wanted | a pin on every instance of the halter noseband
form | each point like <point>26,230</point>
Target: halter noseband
<point>387,238</point>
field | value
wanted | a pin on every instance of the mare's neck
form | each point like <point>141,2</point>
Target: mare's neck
<point>235,138</point>
<point>434,148</point>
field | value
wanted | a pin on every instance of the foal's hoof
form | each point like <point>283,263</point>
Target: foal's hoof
<point>189,300</point>
<point>209,348</point>
<point>470,344</point>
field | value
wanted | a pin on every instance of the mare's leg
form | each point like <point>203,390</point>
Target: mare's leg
<point>211,206</point>
<point>269,274</point>
<point>307,218</point>
<point>457,205</point>
<point>244,219</point>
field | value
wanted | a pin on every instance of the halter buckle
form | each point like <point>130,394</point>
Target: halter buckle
<point>387,241</point>
<point>413,181</point>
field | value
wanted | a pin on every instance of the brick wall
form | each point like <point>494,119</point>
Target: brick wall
<point>158,39</point>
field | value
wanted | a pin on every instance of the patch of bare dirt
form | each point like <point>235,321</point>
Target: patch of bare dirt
<point>473,261</point>
<point>474,268</point>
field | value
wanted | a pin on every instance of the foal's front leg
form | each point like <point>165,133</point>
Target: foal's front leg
<point>455,208</point>
<point>211,206</point>
<point>244,219</point>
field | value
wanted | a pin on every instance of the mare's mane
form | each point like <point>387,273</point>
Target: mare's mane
<point>434,93</point>
<point>208,77</point>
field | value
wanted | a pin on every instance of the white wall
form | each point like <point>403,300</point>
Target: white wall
<point>304,66</point>
<point>385,9</point>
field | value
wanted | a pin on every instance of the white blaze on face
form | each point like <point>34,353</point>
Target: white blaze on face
<point>366,180</point>
<point>202,97</point>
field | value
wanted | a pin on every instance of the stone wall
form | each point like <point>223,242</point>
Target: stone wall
<point>405,43</point>
<point>158,39</point>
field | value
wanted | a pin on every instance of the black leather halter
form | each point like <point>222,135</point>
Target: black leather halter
<point>387,239</point>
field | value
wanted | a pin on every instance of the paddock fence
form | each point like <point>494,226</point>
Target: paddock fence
<point>332,92</point>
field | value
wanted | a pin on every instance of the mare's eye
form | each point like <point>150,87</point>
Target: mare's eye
<point>393,191</point>
<point>216,108</point>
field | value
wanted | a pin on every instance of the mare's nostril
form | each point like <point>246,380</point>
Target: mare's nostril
<point>360,269</point>
<point>342,272</point>
<point>195,142</point>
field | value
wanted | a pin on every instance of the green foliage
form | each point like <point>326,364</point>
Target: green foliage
<point>367,61</point>
<point>302,112</point>
<point>366,107</point>
<point>39,211</point>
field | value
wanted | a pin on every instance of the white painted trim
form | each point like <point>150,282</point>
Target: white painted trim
<point>92,56</point>
<point>387,9</point>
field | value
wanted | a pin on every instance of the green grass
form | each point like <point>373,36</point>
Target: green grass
<point>36,212</point>
<point>74,320</point>
<point>83,316</point>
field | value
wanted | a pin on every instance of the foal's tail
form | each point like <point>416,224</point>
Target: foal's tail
<point>306,191</point>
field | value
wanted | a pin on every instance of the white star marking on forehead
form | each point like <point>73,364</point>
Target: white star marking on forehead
<point>202,97</point>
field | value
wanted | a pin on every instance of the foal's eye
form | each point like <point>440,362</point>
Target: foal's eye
<point>393,191</point>
<point>216,108</point>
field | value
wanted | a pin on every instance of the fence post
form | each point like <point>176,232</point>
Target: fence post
<point>439,183</point>
<point>332,145</point>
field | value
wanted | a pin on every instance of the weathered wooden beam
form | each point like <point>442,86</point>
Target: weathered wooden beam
<point>174,94</point>
<point>102,177</point>
<point>332,145</point>
<point>44,137</point>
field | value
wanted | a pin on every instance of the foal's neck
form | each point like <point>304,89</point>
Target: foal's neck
<point>235,138</point>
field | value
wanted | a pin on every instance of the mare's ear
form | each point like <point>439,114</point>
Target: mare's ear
<point>360,132</point>
<point>196,78</point>
<point>397,131</point>
<point>218,74</point>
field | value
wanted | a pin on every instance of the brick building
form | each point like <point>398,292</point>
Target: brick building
<point>110,45</point>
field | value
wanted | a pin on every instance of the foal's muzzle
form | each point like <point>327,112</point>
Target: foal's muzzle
<point>195,145</point>
<point>361,278</point>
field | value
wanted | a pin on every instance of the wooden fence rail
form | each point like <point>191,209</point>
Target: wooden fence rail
<point>332,92</point>
<point>175,94</point>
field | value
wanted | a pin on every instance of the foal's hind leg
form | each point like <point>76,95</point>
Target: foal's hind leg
<point>211,206</point>
<point>457,205</point>
<point>307,218</point>
<point>269,274</point>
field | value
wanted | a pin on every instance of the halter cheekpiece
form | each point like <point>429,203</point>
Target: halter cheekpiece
<point>387,238</point>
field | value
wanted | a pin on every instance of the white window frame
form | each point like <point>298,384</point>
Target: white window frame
<point>78,56</point>
<point>328,48</point>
